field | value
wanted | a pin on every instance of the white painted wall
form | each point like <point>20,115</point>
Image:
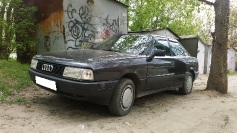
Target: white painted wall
<point>201,56</point>
<point>231,59</point>
<point>209,56</point>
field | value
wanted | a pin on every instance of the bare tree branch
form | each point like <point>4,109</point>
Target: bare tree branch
<point>207,2</point>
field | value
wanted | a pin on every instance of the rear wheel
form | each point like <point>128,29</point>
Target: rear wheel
<point>123,97</point>
<point>187,85</point>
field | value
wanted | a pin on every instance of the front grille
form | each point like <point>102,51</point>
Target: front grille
<point>57,69</point>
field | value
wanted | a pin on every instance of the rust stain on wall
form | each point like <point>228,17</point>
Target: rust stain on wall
<point>50,15</point>
<point>53,22</point>
<point>47,7</point>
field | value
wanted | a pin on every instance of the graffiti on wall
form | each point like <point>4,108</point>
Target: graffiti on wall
<point>112,25</point>
<point>109,27</point>
<point>84,29</point>
<point>52,41</point>
<point>81,30</point>
<point>47,43</point>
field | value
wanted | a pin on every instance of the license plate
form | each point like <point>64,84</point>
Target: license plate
<point>46,83</point>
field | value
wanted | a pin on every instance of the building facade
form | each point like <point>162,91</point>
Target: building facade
<point>231,62</point>
<point>74,24</point>
<point>163,32</point>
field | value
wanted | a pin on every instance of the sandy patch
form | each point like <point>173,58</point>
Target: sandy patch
<point>201,111</point>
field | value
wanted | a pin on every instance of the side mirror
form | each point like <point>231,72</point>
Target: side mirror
<point>157,52</point>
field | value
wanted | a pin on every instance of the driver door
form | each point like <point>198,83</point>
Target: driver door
<point>160,70</point>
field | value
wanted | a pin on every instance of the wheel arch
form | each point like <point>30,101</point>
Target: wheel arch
<point>193,74</point>
<point>135,80</point>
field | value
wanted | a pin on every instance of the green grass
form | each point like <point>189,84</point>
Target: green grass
<point>13,77</point>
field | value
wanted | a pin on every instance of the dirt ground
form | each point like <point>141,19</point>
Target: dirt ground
<point>201,111</point>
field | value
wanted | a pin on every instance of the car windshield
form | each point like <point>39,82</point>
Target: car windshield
<point>130,44</point>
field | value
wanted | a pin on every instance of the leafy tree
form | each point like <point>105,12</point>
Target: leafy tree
<point>16,29</point>
<point>25,31</point>
<point>233,27</point>
<point>218,75</point>
<point>5,30</point>
<point>208,17</point>
<point>153,14</point>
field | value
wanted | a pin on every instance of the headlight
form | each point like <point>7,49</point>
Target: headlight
<point>34,63</point>
<point>78,73</point>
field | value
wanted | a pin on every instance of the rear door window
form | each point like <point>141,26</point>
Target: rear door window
<point>177,49</point>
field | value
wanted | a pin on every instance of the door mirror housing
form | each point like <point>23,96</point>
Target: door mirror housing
<point>157,52</point>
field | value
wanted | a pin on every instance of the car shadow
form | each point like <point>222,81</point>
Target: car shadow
<point>156,98</point>
<point>62,107</point>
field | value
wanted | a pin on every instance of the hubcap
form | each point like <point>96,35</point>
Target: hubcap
<point>127,97</point>
<point>189,83</point>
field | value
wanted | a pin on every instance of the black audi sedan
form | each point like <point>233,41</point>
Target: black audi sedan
<point>117,71</point>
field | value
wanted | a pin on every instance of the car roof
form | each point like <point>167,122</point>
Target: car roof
<point>165,37</point>
<point>156,36</point>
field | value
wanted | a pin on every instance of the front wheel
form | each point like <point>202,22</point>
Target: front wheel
<point>123,97</point>
<point>187,85</point>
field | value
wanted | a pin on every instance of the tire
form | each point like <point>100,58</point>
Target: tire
<point>123,98</point>
<point>187,85</point>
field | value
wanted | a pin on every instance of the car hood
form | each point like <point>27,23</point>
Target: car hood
<point>86,58</point>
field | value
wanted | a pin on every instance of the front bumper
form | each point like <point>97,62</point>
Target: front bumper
<point>96,92</point>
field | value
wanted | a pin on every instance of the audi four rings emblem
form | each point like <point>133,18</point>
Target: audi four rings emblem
<point>46,67</point>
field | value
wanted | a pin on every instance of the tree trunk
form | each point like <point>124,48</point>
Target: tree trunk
<point>3,47</point>
<point>8,30</point>
<point>218,75</point>
<point>2,12</point>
